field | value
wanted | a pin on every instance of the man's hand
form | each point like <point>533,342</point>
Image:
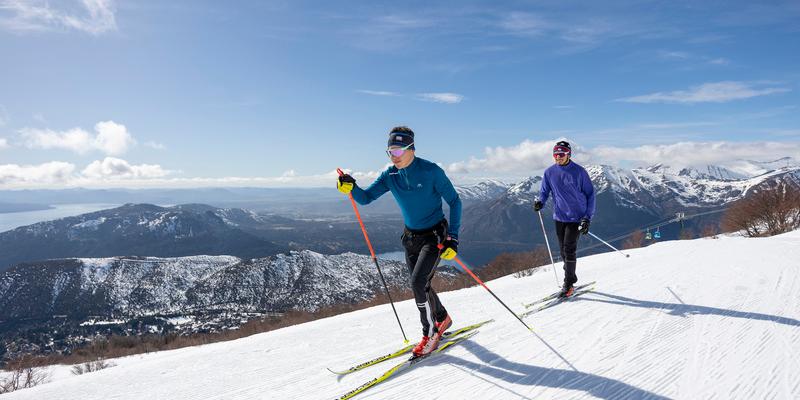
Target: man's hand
<point>583,226</point>
<point>537,205</point>
<point>345,183</point>
<point>449,248</point>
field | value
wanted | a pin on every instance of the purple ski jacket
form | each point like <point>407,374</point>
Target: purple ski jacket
<point>573,192</point>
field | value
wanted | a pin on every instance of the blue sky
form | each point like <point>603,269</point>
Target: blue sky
<point>101,93</point>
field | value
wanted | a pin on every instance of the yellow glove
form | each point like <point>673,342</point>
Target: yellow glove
<point>345,183</point>
<point>449,249</point>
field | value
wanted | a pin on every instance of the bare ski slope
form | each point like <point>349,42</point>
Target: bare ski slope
<point>700,319</point>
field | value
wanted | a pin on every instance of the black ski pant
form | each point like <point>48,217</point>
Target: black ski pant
<point>422,258</point>
<point>568,244</point>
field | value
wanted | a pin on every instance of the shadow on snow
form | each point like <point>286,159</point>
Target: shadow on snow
<point>684,310</point>
<point>498,367</point>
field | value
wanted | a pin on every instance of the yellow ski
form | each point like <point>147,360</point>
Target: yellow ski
<point>447,336</point>
<point>405,365</point>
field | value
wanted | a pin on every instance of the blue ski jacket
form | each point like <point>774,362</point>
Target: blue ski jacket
<point>573,192</point>
<point>419,190</point>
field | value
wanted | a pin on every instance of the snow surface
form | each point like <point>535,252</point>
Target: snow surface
<point>700,319</point>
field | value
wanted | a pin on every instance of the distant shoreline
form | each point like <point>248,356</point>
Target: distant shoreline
<point>8,208</point>
<point>46,212</point>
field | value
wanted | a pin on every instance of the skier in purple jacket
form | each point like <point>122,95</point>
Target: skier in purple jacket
<point>573,199</point>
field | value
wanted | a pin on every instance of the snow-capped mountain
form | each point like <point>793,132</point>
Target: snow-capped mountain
<point>485,190</point>
<point>749,168</point>
<point>139,286</point>
<point>662,188</point>
<point>627,199</point>
<point>645,187</point>
<point>525,191</point>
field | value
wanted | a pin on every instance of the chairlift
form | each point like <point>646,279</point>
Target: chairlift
<point>648,235</point>
<point>657,234</point>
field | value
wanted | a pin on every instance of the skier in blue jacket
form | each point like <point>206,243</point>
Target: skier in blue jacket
<point>418,186</point>
<point>574,202</point>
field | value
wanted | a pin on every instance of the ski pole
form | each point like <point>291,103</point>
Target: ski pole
<point>606,243</point>
<point>469,271</point>
<point>375,259</point>
<point>544,233</point>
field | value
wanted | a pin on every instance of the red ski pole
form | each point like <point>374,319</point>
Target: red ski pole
<point>374,259</point>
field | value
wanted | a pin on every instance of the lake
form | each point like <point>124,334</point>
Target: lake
<point>10,221</point>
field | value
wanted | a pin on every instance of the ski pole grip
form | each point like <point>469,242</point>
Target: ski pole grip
<point>339,170</point>
<point>440,246</point>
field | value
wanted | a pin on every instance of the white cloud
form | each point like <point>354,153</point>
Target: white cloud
<point>530,158</point>
<point>288,179</point>
<point>447,98</point>
<point>155,145</point>
<point>526,156</point>
<point>114,172</point>
<point>715,92</point>
<point>679,55</point>
<point>691,59</point>
<point>115,168</point>
<point>55,172</point>
<point>525,24</point>
<point>76,139</point>
<point>524,159</point>
<point>288,176</point>
<point>107,172</point>
<point>378,93</point>
<point>575,32</point>
<point>674,125</point>
<point>111,139</point>
<point>387,33</point>
<point>696,154</point>
<point>3,143</point>
<point>36,15</point>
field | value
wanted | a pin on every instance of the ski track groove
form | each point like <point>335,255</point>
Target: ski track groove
<point>618,346</point>
<point>697,359</point>
<point>778,303</point>
<point>719,362</point>
<point>632,348</point>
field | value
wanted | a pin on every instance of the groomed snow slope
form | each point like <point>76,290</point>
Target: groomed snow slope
<point>700,319</point>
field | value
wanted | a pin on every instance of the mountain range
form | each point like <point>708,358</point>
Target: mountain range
<point>627,200</point>
<point>497,217</point>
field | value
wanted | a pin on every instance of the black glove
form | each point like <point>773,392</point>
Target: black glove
<point>583,226</point>
<point>537,205</point>
<point>345,183</point>
<point>346,178</point>
<point>449,248</point>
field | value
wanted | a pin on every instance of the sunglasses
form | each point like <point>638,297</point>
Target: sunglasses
<point>399,151</point>
<point>559,155</point>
